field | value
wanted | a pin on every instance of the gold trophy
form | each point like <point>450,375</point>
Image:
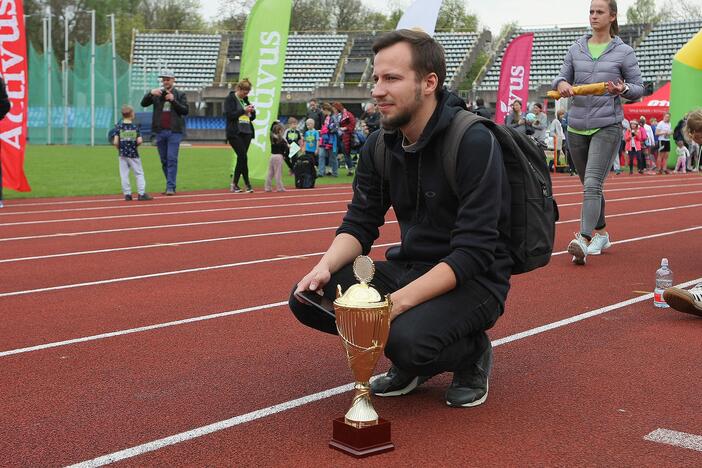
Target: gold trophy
<point>363,323</point>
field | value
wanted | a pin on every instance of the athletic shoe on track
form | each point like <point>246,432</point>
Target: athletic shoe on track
<point>578,249</point>
<point>128,197</point>
<point>470,387</point>
<point>1,204</point>
<point>598,244</point>
<point>396,383</point>
<point>688,301</point>
<point>144,197</point>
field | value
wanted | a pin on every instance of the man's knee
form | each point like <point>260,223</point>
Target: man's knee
<point>405,349</point>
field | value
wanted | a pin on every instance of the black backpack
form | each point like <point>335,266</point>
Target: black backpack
<point>304,172</point>
<point>533,211</point>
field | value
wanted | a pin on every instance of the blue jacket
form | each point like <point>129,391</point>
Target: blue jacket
<point>618,61</point>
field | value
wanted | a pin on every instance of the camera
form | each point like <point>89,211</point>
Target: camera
<point>164,91</point>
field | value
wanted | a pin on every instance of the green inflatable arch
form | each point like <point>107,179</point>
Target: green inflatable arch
<point>686,87</point>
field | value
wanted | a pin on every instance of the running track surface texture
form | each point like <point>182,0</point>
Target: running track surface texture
<point>157,334</point>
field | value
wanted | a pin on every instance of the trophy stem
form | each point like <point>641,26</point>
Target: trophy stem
<point>361,413</point>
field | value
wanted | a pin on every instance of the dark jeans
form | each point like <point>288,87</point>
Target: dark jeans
<point>168,144</point>
<point>446,333</point>
<point>240,145</point>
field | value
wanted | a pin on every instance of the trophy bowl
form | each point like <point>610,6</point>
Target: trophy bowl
<point>363,324</point>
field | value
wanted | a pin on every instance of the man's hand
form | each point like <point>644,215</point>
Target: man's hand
<point>398,306</point>
<point>169,96</point>
<point>156,92</point>
<point>565,89</point>
<point>315,280</point>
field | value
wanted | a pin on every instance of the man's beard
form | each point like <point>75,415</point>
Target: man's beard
<point>403,118</point>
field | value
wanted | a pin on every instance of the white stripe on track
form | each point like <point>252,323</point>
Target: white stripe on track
<point>641,197</point>
<point>606,190</point>
<point>278,233</point>
<point>205,223</point>
<point>288,405</point>
<point>164,226</point>
<point>145,328</point>
<point>170,244</point>
<point>118,198</point>
<point>131,206</point>
<point>676,439</point>
<point>173,213</point>
<point>173,272</point>
<point>268,260</point>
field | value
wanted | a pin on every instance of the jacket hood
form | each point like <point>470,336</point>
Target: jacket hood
<point>448,105</point>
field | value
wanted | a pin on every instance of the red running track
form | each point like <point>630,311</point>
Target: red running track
<point>223,374</point>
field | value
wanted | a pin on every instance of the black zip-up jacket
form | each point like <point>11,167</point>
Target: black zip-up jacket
<point>179,109</point>
<point>468,231</point>
<point>232,111</point>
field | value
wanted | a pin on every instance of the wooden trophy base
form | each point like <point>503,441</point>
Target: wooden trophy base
<point>361,442</point>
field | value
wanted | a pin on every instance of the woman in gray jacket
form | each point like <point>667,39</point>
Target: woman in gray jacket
<point>594,122</point>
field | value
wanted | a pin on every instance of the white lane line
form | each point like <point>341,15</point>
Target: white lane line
<point>606,190</point>
<point>183,196</point>
<point>137,215</point>
<point>278,233</point>
<point>268,260</point>
<point>292,404</point>
<point>131,206</point>
<point>641,197</point>
<point>156,245</point>
<point>205,223</point>
<point>173,213</point>
<point>610,182</point>
<point>173,272</point>
<point>165,226</point>
<point>145,328</point>
<point>676,439</point>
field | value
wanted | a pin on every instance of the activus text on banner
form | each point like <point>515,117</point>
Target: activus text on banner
<point>262,62</point>
<point>514,75</point>
<point>13,67</point>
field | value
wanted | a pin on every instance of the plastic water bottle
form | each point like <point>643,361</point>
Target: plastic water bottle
<point>664,280</point>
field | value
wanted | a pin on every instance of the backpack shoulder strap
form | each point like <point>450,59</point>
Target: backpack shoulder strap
<point>460,124</point>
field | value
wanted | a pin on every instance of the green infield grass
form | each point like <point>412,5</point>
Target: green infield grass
<point>63,171</point>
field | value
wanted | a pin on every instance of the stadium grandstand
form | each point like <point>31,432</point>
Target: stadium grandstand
<point>339,67</point>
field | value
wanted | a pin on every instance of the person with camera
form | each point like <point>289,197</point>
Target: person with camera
<point>239,113</point>
<point>168,124</point>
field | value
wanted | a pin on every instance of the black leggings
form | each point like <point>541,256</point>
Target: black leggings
<point>446,333</point>
<point>240,145</point>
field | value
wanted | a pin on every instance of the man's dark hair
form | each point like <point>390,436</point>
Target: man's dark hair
<point>479,102</point>
<point>427,54</point>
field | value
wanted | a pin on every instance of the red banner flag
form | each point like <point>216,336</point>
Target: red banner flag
<point>13,67</point>
<point>514,75</point>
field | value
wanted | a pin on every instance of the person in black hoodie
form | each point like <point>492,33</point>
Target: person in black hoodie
<point>239,113</point>
<point>449,277</point>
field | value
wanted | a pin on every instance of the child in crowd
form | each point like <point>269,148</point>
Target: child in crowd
<point>311,141</point>
<point>292,135</point>
<point>683,155</point>
<point>279,152</point>
<point>127,138</point>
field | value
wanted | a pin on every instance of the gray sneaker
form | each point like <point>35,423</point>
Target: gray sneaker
<point>396,383</point>
<point>470,387</point>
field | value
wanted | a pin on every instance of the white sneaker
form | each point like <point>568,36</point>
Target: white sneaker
<point>688,301</point>
<point>598,244</point>
<point>578,249</point>
<point>1,205</point>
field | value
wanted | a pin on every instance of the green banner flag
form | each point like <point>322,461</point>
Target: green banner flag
<point>262,62</point>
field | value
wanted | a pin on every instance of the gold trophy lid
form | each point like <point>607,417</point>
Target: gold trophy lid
<point>362,294</point>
